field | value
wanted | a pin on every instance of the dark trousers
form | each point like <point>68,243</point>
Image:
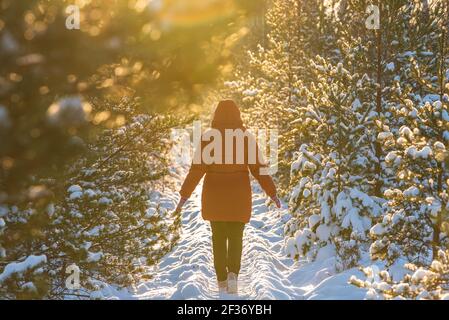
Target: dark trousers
<point>227,247</point>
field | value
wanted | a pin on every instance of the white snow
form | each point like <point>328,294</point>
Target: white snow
<point>437,105</point>
<point>302,238</point>
<point>411,152</point>
<point>295,165</point>
<point>384,135</point>
<point>150,212</point>
<point>323,232</point>
<point>378,229</point>
<point>445,296</point>
<point>306,193</point>
<point>94,256</point>
<point>8,43</point>
<point>420,274</point>
<point>445,115</point>
<point>437,266</point>
<point>20,267</point>
<point>94,232</point>
<point>267,271</point>
<point>391,157</point>
<point>414,153</point>
<point>326,212</point>
<point>308,166</point>
<point>390,66</point>
<point>406,132</point>
<point>367,201</point>
<point>356,104</point>
<point>74,188</point>
<point>232,84</point>
<point>90,193</point>
<point>424,153</point>
<point>76,195</point>
<point>29,286</point>
<point>51,209</point>
<point>250,92</point>
<point>3,211</point>
<point>5,121</point>
<point>446,135</point>
<point>105,201</point>
<point>431,98</point>
<point>69,111</point>
<point>434,205</point>
<point>439,146</point>
<point>411,192</point>
<point>313,220</point>
<point>96,295</point>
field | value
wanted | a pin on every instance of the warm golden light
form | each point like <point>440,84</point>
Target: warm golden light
<point>174,13</point>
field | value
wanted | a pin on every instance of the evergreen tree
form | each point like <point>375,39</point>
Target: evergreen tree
<point>80,159</point>
<point>416,142</point>
<point>268,81</point>
<point>430,283</point>
<point>331,176</point>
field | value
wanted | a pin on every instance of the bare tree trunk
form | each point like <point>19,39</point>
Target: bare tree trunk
<point>289,56</point>
<point>264,23</point>
<point>322,12</point>
<point>378,148</point>
<point>441,165</point>
<point>340,12</point>
<point>298,18</point>
<point>340,149</point>
<point>342,9</point>
<point>425,16</point>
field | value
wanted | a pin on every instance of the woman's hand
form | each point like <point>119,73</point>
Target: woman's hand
<point>276,201</point>
<point>180,204</point>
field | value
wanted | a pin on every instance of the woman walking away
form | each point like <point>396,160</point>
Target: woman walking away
<point>226,196</point>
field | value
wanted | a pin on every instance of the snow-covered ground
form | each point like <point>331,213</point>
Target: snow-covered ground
<point>267,273</point>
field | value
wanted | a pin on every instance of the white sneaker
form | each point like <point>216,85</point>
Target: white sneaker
<point>232,283</point>
<point>222,286</point>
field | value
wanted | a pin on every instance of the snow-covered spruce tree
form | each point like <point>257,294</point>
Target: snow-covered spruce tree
<point>417,206</point>
<point>267,82</point>
<point>385,77</point>
<point>125,221</point>
<point>105,216</point>
<point>333,176</point>
<point>430,283</point>
<point>286,86</point>
<point>380,46</point>
<point>25,202</point>
<point>417,141</point>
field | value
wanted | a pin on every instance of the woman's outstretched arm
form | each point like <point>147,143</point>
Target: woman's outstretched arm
<point>192,179</point>
<point>194,176</point>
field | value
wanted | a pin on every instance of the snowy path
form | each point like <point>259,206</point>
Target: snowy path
<point>187,272</point>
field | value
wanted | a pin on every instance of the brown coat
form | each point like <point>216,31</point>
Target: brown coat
<point>226,192</point>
